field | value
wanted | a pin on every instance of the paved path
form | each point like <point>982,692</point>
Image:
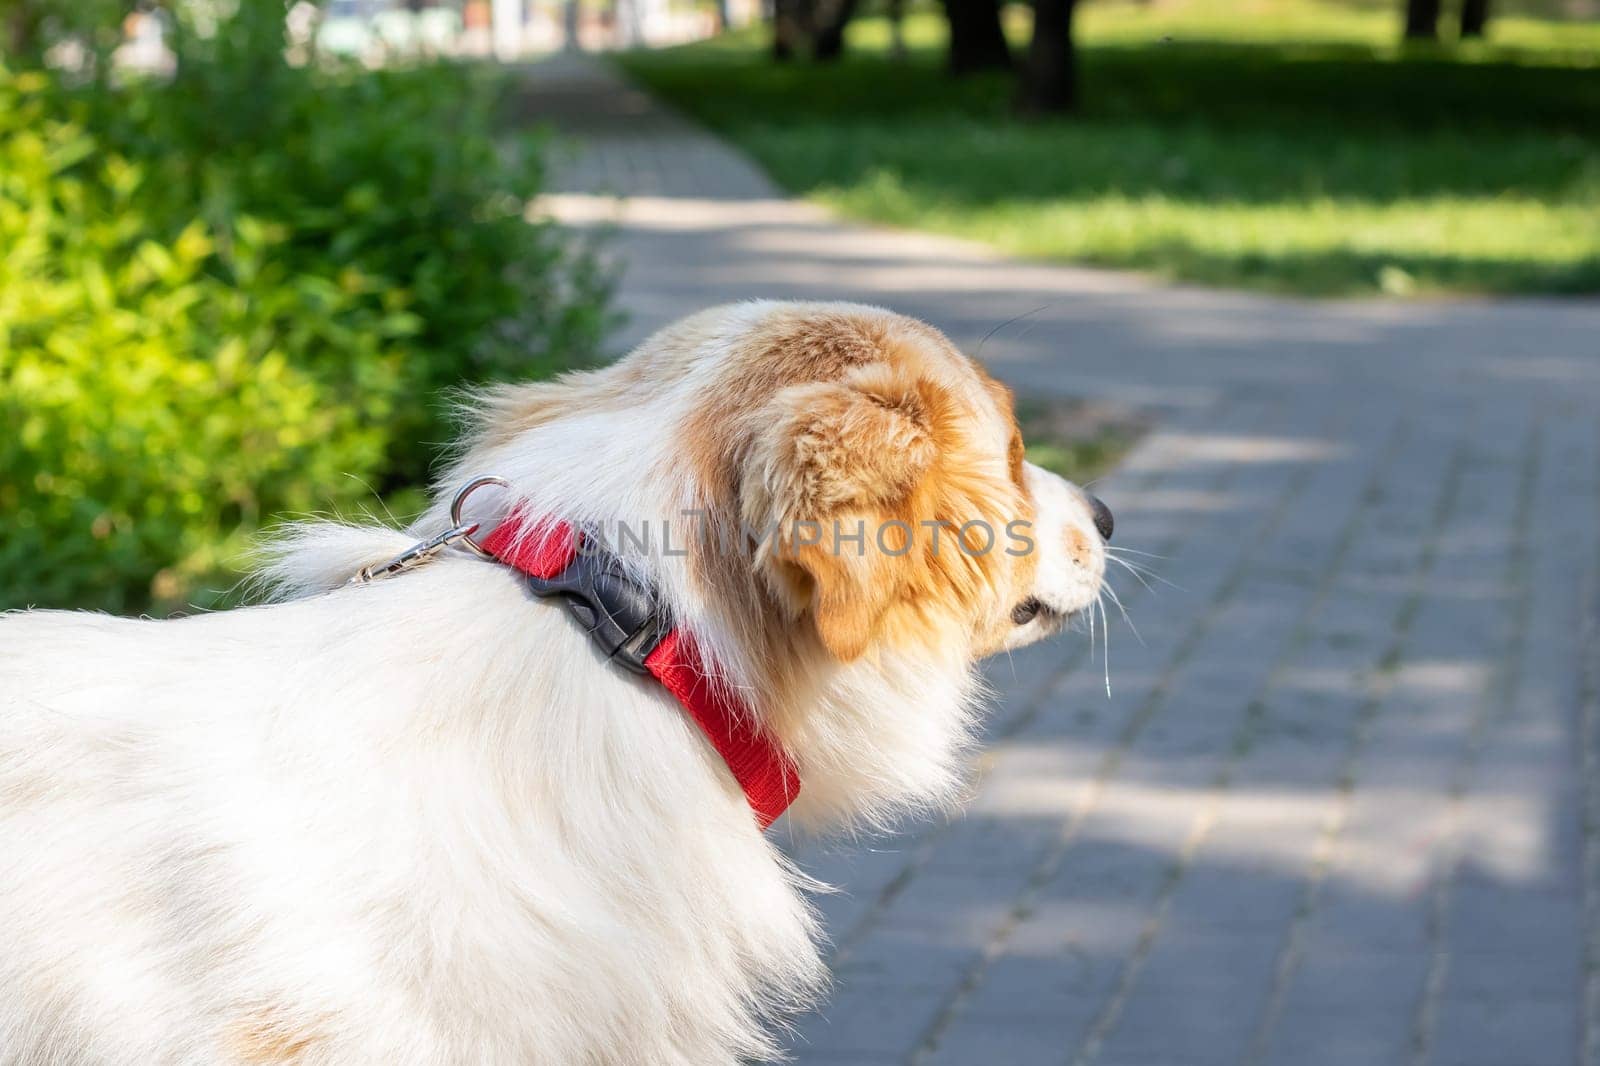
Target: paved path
<point>1343,805</point>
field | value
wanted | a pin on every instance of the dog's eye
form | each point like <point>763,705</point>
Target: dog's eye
<point>1026,611</point>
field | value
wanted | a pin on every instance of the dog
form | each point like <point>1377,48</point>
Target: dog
<point>427,816</point>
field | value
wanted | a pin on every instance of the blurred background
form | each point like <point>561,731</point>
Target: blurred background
<point>1305,288</point>
<point>248,245</point>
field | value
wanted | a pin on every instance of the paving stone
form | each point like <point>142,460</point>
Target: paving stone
<point>871,1022</point>
<point>1506,1031</point>
<point>1341,1038</point>
<point>1356,982</point>
<point>983,1040</point>
<point>1070,982</point>
<point>1197,1024</point>
<point>896,957</point>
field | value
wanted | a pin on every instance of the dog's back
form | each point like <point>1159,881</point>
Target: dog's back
<point>97,845</point>
<point>136,793</point>
<point>307,833</point>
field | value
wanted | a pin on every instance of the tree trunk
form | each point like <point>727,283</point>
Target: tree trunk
<point>897,30</point>
<point>1474,17</point>
<point>1422,20</point>
<point>790,19</point>
<point>571,27</point>
<point>827,41</point>
<point>977,41</point>
<point>22,32</point>
<point>1049,83</point>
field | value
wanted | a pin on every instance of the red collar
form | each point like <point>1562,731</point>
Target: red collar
<point>544,549</point>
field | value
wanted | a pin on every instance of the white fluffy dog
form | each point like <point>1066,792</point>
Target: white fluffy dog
<point>422,819</point>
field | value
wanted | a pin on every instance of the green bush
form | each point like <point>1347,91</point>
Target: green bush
<point>240,295</point>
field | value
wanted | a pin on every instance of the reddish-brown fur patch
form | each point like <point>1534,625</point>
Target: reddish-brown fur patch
<point>273,1036</point>
<point>900,434</point>
<point>1078,548</point>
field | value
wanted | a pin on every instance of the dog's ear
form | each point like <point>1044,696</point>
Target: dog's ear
<point>832,467</point>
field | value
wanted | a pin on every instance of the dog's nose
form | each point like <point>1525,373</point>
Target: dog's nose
<point>1102,517</point>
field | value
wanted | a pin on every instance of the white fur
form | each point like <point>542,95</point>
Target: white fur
<point>420,821</point>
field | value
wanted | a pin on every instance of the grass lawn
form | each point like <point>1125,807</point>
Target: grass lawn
<point>1081,440</point>
<point>1290,145</point>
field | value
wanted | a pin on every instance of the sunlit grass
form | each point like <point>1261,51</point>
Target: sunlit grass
<point>1079,440</point>
<point>1286,145</point>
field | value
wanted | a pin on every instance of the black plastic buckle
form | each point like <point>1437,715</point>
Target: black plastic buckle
<point>621,614</point>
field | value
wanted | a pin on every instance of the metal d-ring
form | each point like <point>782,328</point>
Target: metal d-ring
<point>460,500</point>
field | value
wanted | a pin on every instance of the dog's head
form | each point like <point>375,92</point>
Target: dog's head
<point>860,522</point>
<point>883,472</point>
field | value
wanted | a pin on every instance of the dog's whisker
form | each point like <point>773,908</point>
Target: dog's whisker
<point>1105,627</point>
<point>1128,561</point>
<point>1118,601</point>
<point>1144,578</point>
<point>1089,616</point>
<point>1009,321</point>
<point>1137,576</point>
<point>1147,572</point>
<point>1118,549</point>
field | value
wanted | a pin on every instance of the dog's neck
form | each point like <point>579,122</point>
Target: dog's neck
<point>633,629</point>
<point>873,739</point>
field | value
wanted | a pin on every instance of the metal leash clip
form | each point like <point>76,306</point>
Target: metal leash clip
<point>421,552</point>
